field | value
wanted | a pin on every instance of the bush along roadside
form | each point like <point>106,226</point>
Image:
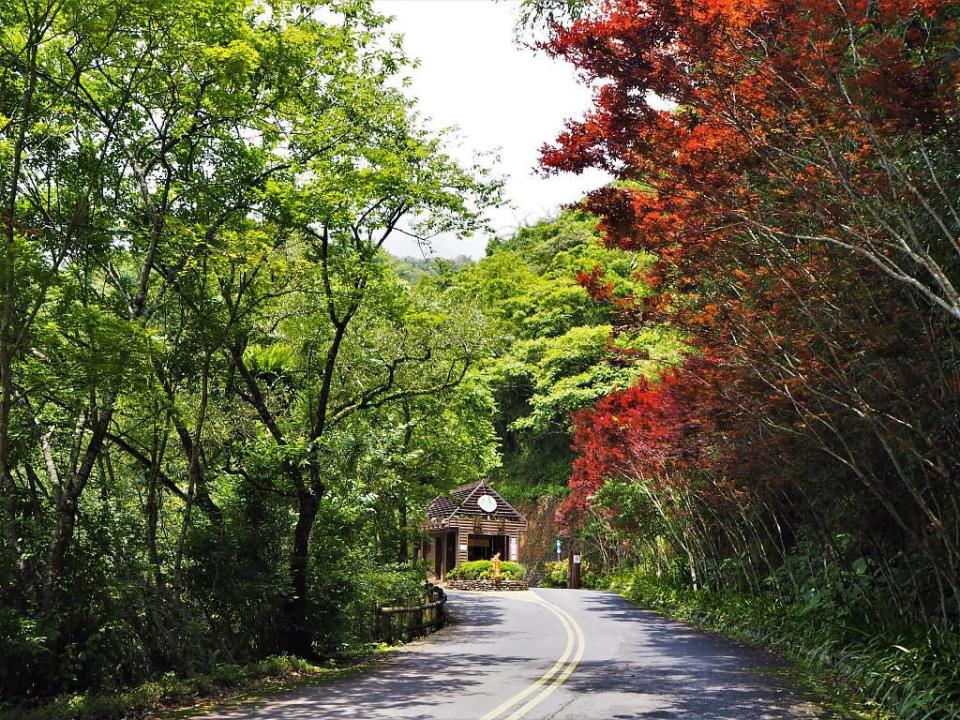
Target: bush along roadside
<point>900,672</point>
<point>554,575</point>
<point>221,683</point>
<point>213,679</point>
<point>483,570</point>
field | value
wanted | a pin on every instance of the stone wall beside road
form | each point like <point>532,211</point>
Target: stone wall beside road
<point>486,585</point>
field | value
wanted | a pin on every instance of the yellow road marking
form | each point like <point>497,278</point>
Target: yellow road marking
<point>543,679</point>
<point>546,681</point>
<point>561,678</point>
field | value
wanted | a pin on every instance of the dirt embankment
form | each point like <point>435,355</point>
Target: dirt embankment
<point>538,544</point>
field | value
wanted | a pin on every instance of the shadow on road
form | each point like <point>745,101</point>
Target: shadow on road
<point>424,680</point>
<point>689,672</point>
<point>638,666</point>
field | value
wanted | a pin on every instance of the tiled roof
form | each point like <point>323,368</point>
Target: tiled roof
<point>463,501</point>
<point>464,489</point>
<point>441,507</point>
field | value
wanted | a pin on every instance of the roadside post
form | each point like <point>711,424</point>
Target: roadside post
<point>573,569</point>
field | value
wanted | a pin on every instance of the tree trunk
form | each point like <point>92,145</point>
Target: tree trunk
<point>403,548</point>
<point>299,640</point>
<point>11,530</point>
<point>67,511</point>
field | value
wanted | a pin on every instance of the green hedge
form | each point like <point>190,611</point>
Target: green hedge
<point>483,570</point>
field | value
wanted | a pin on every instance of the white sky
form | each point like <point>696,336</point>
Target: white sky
<point>503,98</point>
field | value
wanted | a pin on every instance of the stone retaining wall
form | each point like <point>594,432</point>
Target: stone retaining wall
<point>486,585</point>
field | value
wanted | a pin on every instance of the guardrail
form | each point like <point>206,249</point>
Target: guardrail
<point>406,623</point>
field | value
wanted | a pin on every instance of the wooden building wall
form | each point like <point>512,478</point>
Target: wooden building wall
<point>466,526</point>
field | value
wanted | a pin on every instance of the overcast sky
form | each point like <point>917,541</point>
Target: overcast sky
<point>502,97</point>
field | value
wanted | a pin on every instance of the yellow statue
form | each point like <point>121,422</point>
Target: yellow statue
<point>497,577</point>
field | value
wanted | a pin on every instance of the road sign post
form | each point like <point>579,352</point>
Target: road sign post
<point>573,569</point>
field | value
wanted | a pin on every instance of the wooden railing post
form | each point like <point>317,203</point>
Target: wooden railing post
<point>419,619</point>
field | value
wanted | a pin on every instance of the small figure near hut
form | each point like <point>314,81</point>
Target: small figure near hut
<point>496,575</point>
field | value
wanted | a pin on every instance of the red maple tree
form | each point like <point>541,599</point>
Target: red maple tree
<point>795,168</point>
<point>746,126</point>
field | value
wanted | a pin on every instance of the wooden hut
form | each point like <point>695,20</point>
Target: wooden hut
<point>471,523</point>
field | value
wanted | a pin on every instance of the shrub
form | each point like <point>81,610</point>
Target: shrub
<point>555,575</point>
<point>483,570</point>
<point>912,672</point>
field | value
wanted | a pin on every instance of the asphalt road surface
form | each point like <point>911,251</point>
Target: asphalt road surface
<point>575,655</point>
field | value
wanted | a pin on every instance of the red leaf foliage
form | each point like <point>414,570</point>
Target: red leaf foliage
<point>794,166</point>
<point>786,119</point>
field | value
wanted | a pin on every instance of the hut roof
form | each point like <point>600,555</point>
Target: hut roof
<point>464,500</point>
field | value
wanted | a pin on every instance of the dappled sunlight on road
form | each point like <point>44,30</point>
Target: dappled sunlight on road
<point>637,665</point>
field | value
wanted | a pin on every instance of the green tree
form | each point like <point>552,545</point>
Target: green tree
<point>204,349</point>
<point>558,351</point>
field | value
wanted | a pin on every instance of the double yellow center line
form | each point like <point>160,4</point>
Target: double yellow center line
<point>553,678</point>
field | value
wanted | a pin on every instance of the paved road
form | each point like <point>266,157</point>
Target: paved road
<point>571,655</point>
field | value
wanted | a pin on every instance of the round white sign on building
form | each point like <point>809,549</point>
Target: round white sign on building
<point>487,503</point>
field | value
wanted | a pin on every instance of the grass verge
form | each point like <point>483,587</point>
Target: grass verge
<point>171,696</point>
<point>860,672</point>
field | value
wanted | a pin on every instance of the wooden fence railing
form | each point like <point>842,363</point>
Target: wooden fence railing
<point>406,623</point>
